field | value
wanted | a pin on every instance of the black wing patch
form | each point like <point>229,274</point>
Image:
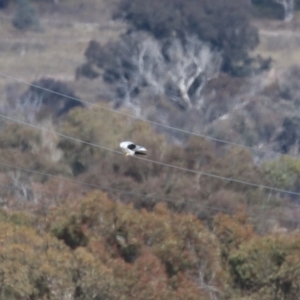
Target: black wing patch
<point>131,146</point>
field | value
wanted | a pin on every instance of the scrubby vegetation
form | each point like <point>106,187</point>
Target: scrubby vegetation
<point>215,22</point>
<point>98,248</point>
<point>197,234</point>
<point>49,97</point>
<point>78,221</point>
<point>26,16</point>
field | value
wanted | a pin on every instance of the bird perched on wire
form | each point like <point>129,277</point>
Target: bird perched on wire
<point>132,149</point>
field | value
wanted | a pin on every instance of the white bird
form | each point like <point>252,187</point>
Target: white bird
<point>132,149</point>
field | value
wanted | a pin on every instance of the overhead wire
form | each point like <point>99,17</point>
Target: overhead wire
<point>261,186</point>
<point>165,126</point>
<point>171,201</point>
<point>153,123</point>
<point>103,187</point>
<point>144,119</point>
<point>164,164</point>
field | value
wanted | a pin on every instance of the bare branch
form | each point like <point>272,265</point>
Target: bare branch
<point>192,64</point>
<point>21,186</point>
<point>176,68</point>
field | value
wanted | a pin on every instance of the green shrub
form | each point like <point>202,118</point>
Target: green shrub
<point>224,24</point>
<point>26,16</point>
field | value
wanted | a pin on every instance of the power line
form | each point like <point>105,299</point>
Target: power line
<point>131,193</point>
<point>157,162</point>
<point>153,123</point>
<point>152,161</point>
<point>104,187</point>
<point>60,134</point>
<point>145,120</point>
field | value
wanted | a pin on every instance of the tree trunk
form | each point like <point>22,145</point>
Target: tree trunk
<point>288,7</point>
<point>184,94</point>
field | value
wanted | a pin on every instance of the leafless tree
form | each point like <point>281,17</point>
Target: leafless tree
<point>139,65</point>
<point>21,186</point>
<point>176,68</point>
<point>191,65</point>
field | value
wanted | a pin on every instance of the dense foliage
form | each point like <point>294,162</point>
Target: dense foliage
<point>49,97</point>
<point>225,25</point>
<point>185,191</point>
<point>97,248</point>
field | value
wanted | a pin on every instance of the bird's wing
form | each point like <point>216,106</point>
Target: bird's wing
<point>132,146</point>
<point>125,144</point>
<point>140,148</point>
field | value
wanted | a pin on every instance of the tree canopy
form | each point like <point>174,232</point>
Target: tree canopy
<point>225,25</point>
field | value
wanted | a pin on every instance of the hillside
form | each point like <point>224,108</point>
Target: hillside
<point>212,212</point>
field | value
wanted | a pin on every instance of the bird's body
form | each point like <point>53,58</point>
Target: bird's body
<point>132,149</point>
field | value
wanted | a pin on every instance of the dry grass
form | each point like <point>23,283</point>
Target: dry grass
<point>281,41</point>
<point>56,51</point>
<point>282,46</point>
<point>58,48</point>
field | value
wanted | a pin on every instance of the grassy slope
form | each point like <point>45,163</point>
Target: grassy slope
<point>281,41</point>
<point>66,30</point>
<point>58,48</point>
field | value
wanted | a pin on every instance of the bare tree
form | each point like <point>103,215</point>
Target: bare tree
<point>176,68</point>
<point>288,7</point>
<point>191,65</point>
<point>21,186</point>
<point>138,64</point>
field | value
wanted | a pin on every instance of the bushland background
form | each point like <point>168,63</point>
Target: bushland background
<point>81,222</point>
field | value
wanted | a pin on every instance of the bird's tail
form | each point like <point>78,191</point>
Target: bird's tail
<point>140,153</point>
